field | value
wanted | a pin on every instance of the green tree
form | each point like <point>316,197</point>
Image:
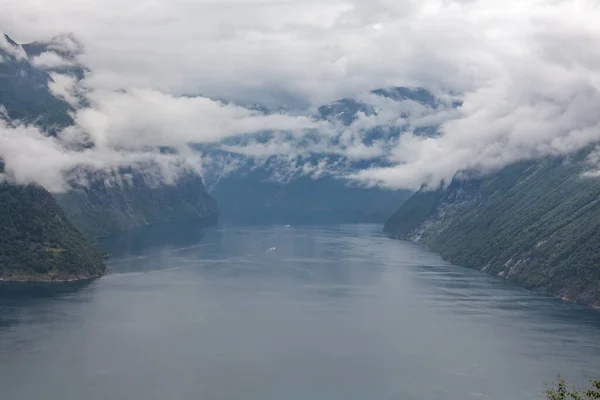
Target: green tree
<point>560,391</point>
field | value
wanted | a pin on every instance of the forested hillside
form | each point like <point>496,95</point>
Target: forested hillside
<point>536,223</point>
<point>38,242</point>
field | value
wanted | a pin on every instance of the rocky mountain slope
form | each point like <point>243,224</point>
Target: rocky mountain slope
<point>98,209</point>
<point>536,223</point>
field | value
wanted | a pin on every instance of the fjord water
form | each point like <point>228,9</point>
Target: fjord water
<point>287,313</point>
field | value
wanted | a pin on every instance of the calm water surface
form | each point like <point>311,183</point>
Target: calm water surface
<point>287,313</point>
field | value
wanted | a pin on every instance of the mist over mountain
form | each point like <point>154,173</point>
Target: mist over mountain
<point>256,180</point>
<point>25,91</point>
<point>328,147</point>
<point>100,190</point>
<point>521,95</point>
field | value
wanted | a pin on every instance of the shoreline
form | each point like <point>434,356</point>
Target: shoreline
<point>48,280</point>
<point>205,222</point>
<point>558,296</point>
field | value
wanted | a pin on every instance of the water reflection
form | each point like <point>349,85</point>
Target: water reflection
<point>154,237</point>
<point>31,291</point>
<point>476,292</point>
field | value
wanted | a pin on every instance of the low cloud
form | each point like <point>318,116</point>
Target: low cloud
<point>66,45</point>
<point>50,60</point>
<point>552,115</point>
<point>140,118</point>
<point>32,157</point>
<point>10,48</point>
<point>67,88</point>
<point>527,73</point>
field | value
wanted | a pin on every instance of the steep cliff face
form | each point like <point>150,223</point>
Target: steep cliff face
<point>38,242</point>
<point>100,207</point>
<point>535,223</point>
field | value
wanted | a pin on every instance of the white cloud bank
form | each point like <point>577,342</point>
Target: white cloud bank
<point>50,60</point>
<point>31,157</point>
<point>528,72</point>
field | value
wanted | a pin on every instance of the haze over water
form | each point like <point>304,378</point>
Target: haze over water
<point>287,313</point>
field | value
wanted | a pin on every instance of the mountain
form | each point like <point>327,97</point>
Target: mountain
<point>253,193</point>
<point>38,242</point>
<point>40,237</point>
<point>67,47</point>
<point>25,93</point>
<point>252,198</point>
<point>347,110</point>
<point>97,207</point>
<point>536,223</point>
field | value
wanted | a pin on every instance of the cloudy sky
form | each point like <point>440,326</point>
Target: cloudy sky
<point>527,71</point>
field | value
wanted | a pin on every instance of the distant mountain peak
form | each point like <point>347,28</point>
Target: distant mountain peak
<point>9,40</point>
<point>66,45</point>
<point>405,93</point>
<point>347,109</point>
<point>9,49</point>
